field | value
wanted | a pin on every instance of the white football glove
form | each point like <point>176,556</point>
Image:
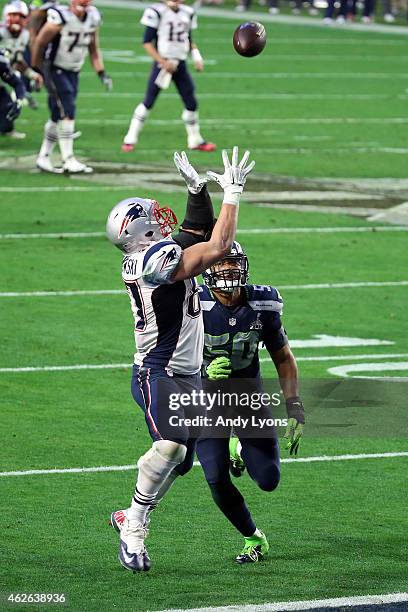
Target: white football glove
<point>194,181</point>
<point>234,177</point>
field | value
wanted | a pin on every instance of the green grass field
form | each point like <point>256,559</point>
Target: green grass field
<point>317,104</point>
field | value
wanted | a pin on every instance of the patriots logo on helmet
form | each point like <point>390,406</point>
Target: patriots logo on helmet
<point>135,212</point>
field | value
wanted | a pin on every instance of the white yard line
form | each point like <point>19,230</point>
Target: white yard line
<point>259,96</point>
<point>352,603</point>
<point>265,230</point>
<point>229,121</point>
<point>282,75</point>
<point>96,292</point>
<point>121,366</point>
<point>125,468</point>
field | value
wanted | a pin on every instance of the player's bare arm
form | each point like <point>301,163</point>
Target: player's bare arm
<point>287,370</point>
<point>36,21</point>
<point>46,35</point>
<point>197,58</point>
<point>155,55</point>
<point>95,55</point>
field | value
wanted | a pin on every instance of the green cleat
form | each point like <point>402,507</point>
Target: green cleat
<point>237,465</point>
<point>256,548</point>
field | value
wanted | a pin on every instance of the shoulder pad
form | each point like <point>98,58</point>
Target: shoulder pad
<point>264,297</point>
<point>160,261</point>
<point>187,9</point>
<point>206,298</point>
<point>4,63</point>
<point>152,15</point>
<point>56,15</point>
<point>95,15</point>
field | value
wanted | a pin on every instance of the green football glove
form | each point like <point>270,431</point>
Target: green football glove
<point>296,421</point>
<point>219,369</point>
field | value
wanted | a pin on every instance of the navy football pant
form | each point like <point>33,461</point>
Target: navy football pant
<point>5,105</point>
<point>261,458</point>
<point>182,80</point>
<point>62,88</point>
<point>152,389</point>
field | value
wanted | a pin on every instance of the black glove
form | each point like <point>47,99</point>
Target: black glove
<point>106,80</point>
<point>14,110</point>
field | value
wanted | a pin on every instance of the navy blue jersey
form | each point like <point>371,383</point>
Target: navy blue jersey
<point>8,75</point>
<point>235,332</point>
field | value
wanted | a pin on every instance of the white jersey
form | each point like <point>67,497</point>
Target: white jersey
<point>168,322</point>
<point>70,48</point>
<point>173,29</point>
<point>14,45</point>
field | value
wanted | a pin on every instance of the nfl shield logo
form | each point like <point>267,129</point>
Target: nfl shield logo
<point>232,321</point>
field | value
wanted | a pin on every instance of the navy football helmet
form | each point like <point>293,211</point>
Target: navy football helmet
<point>229,273</point>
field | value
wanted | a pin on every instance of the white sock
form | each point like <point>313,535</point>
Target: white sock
<point>140,114</point>
<point>167,484</point>
<point>190,119</point>
<point>154,469</point>
<point>257,533</point>
<point>65,129</point>
<point>50,138</point>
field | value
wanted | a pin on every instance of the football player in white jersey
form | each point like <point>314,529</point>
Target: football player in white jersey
<point>168,41</point>
<point>15,37</point>
<point>160,279</point>
<point>69,34</point>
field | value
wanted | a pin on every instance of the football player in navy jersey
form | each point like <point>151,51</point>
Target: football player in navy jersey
<point>237,317</point>
<point>159,275</point>
<point>9,109</point>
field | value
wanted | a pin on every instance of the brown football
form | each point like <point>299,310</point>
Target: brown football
<point>249,38</point>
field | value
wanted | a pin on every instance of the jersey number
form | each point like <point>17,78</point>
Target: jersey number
<point>194,306</point>
<point>177,36</point>
<point>74,41</point>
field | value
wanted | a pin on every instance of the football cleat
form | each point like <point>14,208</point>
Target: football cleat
<point>44,164</point>
<point>127,148</point>
<point>117,519</point>
<point>204,146</point>
<point>132,551</point>
<point>237,465</point>
<point>73,166</point>
<point>255,549</point>
<point>14,135</point>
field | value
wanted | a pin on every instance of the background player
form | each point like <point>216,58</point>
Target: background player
<point>9,109</point>
<point>168,41</point>
<point>15,37</point>
<point>70,32</point>
<point>159,277</point>
<point>237,316</point>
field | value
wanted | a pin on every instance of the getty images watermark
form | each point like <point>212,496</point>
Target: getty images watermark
<point>222,402</point>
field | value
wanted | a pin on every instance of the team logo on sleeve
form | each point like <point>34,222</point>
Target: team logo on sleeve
<point>171,256</point>
<point>133,213</point>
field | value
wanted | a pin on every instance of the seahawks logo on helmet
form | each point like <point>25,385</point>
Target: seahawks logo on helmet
<point>135,212</point>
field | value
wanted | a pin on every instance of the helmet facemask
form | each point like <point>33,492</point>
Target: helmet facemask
<point>229,274</point>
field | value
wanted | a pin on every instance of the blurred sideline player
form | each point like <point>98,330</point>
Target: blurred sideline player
<point>15,37</point>
<point>160,278</point>
<point>237,316</point>
<point>69,33</point>
<point>9,108</point>
<point>167,39</point>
